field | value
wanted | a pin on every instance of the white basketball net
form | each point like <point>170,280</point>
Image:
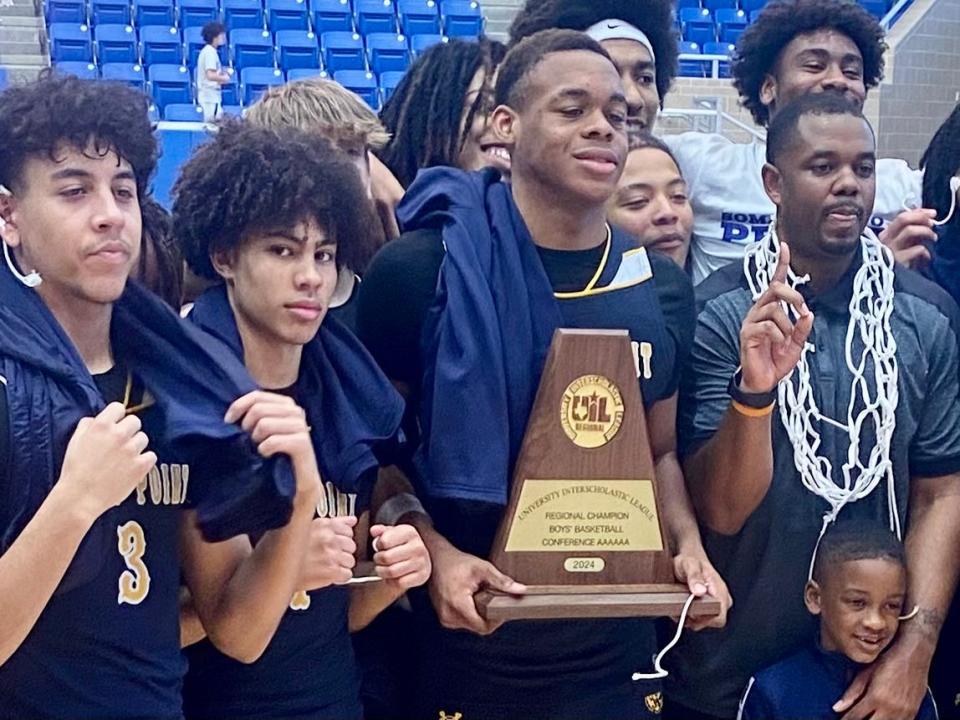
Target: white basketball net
<point>871,355</point>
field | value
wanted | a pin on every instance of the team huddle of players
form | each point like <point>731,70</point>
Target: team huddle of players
<point>280,505</point>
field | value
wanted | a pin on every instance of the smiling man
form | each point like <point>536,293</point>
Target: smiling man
<point>461,310</point>
<point>794,413</point>
<point>794,48</point>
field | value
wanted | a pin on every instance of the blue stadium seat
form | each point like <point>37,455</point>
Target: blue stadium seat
<point>461,18</point>
<point>252,48</point>
<point>254,80</point>
<point>197,13</point>
<point>389,82</point>
<point>147,13</point>
<point>375,16</point>
<point>419,17</point>
<point>126,73</point>
<point>697,25</point>
<point>877,8</point>
<point>170,84</point>
<point>714,5</point>
<point>720,48</point>
<point>687,3</point>
<point>750,6</point>
<point>419,43</point>
<point>298,49</point>
<point>83,70</point>
<point>66,11</point>
<point>305,73</point>
<point>331,16</point>
<point>70,42</point>
<point>287,15</point>
<point>183,112</point>
<point>116,44</point>
<point>110,12</point>
<point>690,68</point>
<point>342,51</point>
<point>731,23</point>
<point>230,93</point>
<point>755,14</point>
<point>362,83</point>
<point>387,51</point>
<point>243,14</point>
<point>160,45</point>
<point>232,110</point>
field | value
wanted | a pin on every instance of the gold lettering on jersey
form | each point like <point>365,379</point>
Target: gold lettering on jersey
<point>134,582</point>
<point>165,484</point>
<point>332,503</point>
<point>300,600</point>
<point>654,702</point>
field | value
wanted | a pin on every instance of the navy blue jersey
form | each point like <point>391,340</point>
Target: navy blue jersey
<point>308,669</point>
<point>538,669</point>
<point>805,686</point>
<point>109,647</point>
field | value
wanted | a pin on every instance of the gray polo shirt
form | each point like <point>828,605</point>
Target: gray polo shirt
<point>765,565</point>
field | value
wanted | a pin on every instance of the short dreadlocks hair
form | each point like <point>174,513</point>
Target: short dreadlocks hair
<point>423,114</point>
<point>40,118</point>
<point>857,539</point>
<point>760,46</point>
<point>524,57</point>
<point>940,162</point>
<point>653,17</point>
<point>250,179</point>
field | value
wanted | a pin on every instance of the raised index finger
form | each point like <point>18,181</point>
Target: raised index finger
<point>783,264</point>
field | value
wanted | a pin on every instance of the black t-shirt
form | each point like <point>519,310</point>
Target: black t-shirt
<point>536,667</point>
<point>308,670</point>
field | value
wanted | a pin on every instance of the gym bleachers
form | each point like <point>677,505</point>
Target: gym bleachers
<point>375,40</point>
<point>365,44</point>
<point>710,27</point>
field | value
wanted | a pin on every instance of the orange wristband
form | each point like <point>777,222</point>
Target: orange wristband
<point>748,411</point>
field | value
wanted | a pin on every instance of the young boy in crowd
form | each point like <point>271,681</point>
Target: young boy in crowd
<point>211,77</point>
<point>857,592</point>
<point>289,213</point>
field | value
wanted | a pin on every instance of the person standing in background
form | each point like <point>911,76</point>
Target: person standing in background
<point>211,76</point>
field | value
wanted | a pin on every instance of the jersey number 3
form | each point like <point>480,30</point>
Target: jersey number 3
<point>135,582</point>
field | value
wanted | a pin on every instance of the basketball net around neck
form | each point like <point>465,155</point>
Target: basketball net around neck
<point>871,356</point>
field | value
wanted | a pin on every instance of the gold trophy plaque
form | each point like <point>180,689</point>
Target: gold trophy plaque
<point>582,529</point>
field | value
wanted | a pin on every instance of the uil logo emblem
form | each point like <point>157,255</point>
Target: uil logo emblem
<point>455,716</point>
<point>591,411</point>
<point>654,702</point>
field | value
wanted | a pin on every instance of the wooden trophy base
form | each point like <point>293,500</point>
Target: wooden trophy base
<point>556,602</point>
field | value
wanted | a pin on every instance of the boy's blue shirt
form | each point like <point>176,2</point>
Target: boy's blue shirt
<point>805,686</point>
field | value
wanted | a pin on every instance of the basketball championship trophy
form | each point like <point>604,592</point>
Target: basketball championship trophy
<point>582,529</point>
